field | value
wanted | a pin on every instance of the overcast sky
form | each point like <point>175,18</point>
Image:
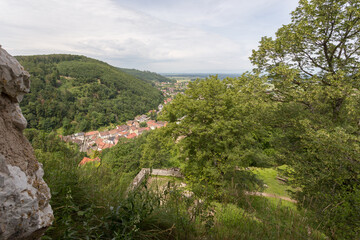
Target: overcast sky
<point>166,36</point>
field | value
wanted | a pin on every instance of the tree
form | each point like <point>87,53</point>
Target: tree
<point>217,128</point>
<point>313,64</point>
<point>320,48</point>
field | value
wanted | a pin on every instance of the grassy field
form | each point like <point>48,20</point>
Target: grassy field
<point>274,186</point>
<point>250,217</point>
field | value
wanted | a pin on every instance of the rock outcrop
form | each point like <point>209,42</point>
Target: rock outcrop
<point>25,211</point>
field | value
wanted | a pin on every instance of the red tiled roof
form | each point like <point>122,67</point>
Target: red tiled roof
<point>86,160</point>
<point>104,133</point>
<point>122,127</point>
<point>124,133</point>
<point>91,133</point>
<point>108,145</point>
<point>132,135</point>
<point>114,131</point>
<point>151,122</point>
<point>143,129</point>
<point>99,141</point>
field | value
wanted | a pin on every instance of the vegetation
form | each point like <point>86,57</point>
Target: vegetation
<point>313,64</point>
<point>77,94</point>
<point>273,184</point>
<point>219,121</point>
<point>296,115</point>
<point>91,202</point>
<point>146,75</point>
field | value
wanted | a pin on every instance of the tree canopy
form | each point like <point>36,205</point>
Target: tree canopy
<point>313,64</point>
<point>216,129</point>
<point>77,93</point>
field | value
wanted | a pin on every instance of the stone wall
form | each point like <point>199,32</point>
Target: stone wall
<point>25,212</point>
<point>140,177</point>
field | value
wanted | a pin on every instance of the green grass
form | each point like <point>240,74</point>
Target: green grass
<point>275,186</point>
<point>277,201</point>
<point>257,217</point>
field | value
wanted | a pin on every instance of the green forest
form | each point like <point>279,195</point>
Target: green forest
<point>146,75</point>
<point>295,117</point>
<point>76,93</point>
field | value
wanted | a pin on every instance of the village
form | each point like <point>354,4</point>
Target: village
<point>97,141</point>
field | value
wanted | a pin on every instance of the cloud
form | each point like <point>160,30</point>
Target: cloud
<point>162,36</point>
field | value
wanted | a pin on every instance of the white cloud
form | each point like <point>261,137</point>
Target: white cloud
<point>163,36</point>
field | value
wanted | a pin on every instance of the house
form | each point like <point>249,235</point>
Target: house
<point>151,124</point>
<point>114,132</point>
<point>99,141</point>
<point>77,141</point>
<point>89,134</point>
<point>168,100</point>
<point>123,134</point>
<point>110,140</point>
<point>141,130</point>
<point>161,124</point>
<point>131,135</point>
<point>86,160</point>
<point>80,135</point>
<point>104,134</point>
<point>141,118</point>
<point>133,129</point>
<point>122,128</point>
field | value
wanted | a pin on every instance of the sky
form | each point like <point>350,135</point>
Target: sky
<point>164,36</point>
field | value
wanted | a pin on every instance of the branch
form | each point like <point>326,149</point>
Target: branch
<point>315,63</point>
<point>302,69</point>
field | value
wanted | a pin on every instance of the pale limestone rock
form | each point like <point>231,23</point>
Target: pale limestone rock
<point>19,120</point>
<point>21,200</point>
<point>25,212</point>
<point>14,80</point>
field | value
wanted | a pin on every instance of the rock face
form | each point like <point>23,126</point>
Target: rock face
<point>25,212</point>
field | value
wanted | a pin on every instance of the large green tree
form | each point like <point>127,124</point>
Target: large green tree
<point>217,127</point>
<point>313,63</point>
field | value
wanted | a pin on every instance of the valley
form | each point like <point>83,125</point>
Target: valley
<point>93,148</point>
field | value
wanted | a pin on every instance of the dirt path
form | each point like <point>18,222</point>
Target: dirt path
<point>271,195</point>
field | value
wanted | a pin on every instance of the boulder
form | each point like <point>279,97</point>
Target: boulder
<point>25,212</point>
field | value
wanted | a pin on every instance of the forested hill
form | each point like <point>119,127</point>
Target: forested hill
<point>77,93</point>
<point>146,75</point>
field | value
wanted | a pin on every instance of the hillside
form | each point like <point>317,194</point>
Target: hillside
<point>77,93</point>
<point>146,75</point>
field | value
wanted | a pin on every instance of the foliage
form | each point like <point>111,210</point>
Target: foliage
<point>313,64</point>
<point>300,107</point>
<point>216,127</point>
<point>146,75</point>
<point>88,201</point>
<point>143,124</point>
<point>159,150</point>
<point>126,155</point>
<point>76,93</point>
